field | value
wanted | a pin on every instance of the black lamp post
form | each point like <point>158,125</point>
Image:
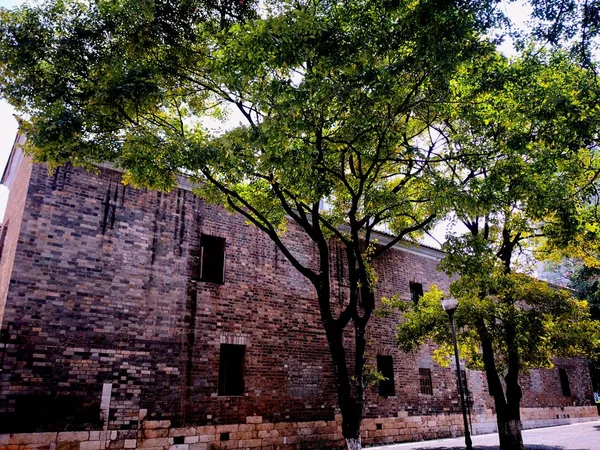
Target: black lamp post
<point>450,304</point>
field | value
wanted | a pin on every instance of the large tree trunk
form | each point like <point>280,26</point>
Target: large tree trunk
<point>508,414</point>
<point>509,432</point>
<point>351,405</point>
<point>509,418</point>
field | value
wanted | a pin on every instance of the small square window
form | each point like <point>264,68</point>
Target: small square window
<point>231,369</point>
<point>564,382</point>
<point>416,292</point>
<point>385,366</point>
<point>212,259</point>
<point>426,387</point>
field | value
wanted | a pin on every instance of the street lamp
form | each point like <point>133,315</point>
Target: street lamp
<point>450,304</point>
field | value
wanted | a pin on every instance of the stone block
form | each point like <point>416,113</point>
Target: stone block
<point>265,426</point>
<point>68,445</point>
<point>199,446</point>
<point>191,439</point>
<point>187,431</point>
<point>226,428</point>
<point>33,438</point>
<point>130,443</point>
<point>205,430</point>
<point>179,447</point>
<point>154,424</point>
<point>158,442</point>
<point>155,433</point>
<point>254,419</point>
<point>89,445</point>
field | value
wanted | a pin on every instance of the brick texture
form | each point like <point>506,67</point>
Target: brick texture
<point>103,297</point>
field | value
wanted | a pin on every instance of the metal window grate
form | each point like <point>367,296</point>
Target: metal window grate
<point>425,381</point>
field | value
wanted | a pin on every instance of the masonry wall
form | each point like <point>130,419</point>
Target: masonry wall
<point>105,329</point>
<point>19,165</point>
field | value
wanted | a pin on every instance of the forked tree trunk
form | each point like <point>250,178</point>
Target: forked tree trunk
<point>351,406</point>
<point>508,413</point>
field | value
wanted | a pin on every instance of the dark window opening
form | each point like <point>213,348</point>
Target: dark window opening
<point>425,383</point>
<point>178,440</point>
<point>379,426</point>
<point>231,369</point>
<point>416,292</point>
<point>564,382</point>
<point>3,239</point>
<point>224,436</point>
<point>212,259</point>
<point>385,366</point>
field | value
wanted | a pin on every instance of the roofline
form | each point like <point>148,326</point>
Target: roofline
<point>17,144</point>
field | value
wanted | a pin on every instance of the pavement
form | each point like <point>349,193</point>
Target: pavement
<point>580,436</point>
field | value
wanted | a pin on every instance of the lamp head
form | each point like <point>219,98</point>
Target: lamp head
<point>449,304</point>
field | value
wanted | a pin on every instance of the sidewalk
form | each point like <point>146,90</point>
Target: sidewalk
<point>580,436</point>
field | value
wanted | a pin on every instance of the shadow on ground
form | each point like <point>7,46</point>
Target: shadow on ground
<point>495,447</point>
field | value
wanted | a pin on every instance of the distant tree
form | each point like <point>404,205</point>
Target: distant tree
<point>586,281</point>
<point>531,127</point>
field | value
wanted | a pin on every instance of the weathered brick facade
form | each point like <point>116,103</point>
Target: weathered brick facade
<point>109,340</point>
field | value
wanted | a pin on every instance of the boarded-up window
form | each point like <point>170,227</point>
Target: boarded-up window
<point>212,259</point>
<point>425,384</point>
<point>416,292</point>
<point>385,366</point>
<point>231,369</point>
<point>564,382</point>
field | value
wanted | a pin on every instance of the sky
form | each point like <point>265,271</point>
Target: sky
<point>8,124</point>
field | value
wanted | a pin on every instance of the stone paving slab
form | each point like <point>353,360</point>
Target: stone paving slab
<point>580,436</point>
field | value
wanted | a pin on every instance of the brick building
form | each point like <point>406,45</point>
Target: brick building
<point>133,318</point>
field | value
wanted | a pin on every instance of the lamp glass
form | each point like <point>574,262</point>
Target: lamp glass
<point>449,304</point>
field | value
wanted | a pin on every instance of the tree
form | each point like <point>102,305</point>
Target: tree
<point>338,100</point>
<point>344,103</point>
<point>531,122</point>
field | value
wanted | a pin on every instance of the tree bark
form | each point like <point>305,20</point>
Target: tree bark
<point>351,405</point>
<point>508,415</point>
<point>509,431</point>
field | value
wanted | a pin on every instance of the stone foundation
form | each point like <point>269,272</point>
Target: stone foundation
<point>155,435</point>
<point>538,417</point>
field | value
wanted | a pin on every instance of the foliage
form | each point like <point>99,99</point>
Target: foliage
<point>529,128</point>
<point>586,281</point>
<point>550,323</point>
<point>361,106</point>
<point>337,98</point>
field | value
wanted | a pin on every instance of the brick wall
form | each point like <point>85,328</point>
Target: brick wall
<point>107,321</point>
<point>16,178</point>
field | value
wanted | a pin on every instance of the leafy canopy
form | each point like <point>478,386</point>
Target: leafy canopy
<point>529,126</point>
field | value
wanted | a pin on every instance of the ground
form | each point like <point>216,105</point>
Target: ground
<point>581,436</point>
